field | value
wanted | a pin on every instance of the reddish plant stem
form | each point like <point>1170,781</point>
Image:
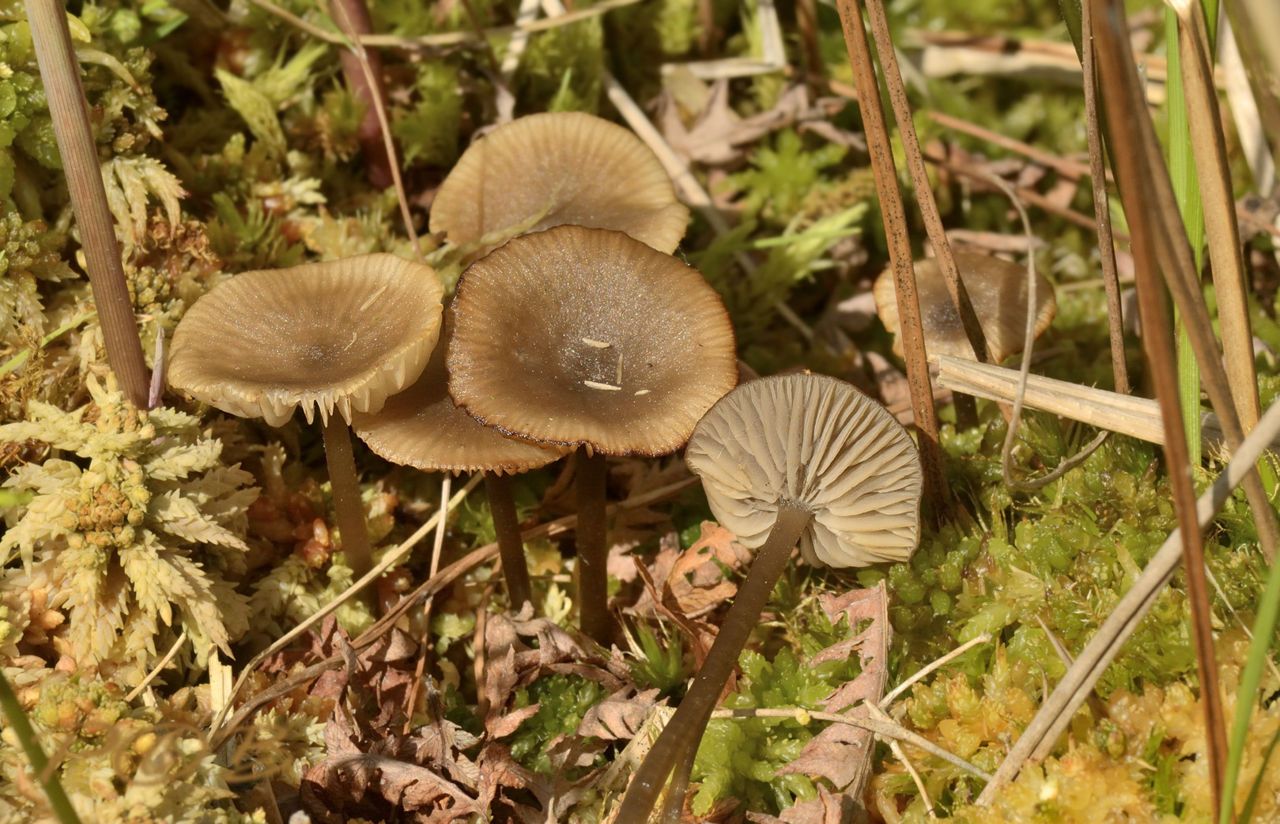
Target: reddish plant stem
<point>593,528</point>
<point>966,408</point>
<point>353,17</point>
<point>60,73</point>
<point>895,230</point>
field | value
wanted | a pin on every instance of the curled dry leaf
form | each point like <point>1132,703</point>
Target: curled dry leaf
<point>620,716</point>
<point>842,753</point>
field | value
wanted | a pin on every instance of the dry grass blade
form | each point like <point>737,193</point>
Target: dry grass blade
<point>1122,414</point>
<point>1223,233</point>
<point>1150,192</point>
<point>895,229</point>
<point>920,180</point>
<point>1150,231</point>
<point>60,73</point>
<point>1102,207</point>
<point>1061,705</point>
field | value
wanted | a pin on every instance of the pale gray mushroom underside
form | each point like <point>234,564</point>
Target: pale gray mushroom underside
<point>820,443</point>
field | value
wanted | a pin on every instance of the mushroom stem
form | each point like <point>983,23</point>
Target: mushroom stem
<point>679,739</point>
<point>593,582</point>
<point>502,506</point>
<point>347,505</point>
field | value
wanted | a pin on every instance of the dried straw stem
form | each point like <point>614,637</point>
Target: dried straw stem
<point>1221,229</point>
<point>60,72</point>
<point>895,225</point>
<point>1102,208</point>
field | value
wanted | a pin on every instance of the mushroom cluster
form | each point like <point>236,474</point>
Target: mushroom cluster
<point>573,330</point>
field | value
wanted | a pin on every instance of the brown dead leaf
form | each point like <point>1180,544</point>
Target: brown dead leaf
<point>841,753</point>
<point>618,717</point>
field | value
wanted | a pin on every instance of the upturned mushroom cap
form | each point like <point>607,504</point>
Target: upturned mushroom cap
<point>340,335</point>
<point>998,291</point>
<point>421,427</point>
<point>557,168</point>
<point>586,337</point>
<point>816,442</point>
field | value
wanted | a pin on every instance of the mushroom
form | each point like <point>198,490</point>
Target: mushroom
<point>590,340</point>
<point>339,337</point>
<point>545,170</point>
<point>785,460</point>
<point>998,290</point>
<point>421,427</point>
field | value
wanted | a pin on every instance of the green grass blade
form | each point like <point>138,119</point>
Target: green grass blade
<point>26,734</point>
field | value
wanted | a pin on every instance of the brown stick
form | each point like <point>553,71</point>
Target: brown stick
<point>354,17</point>
<point>60,72</point>
<point>807,23</point>
<point>966,410</point>
<point>1145,205</point>
<point>895,226</point>
<point>1102,209</point>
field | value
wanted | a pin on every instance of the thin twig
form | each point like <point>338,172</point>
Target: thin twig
<point>366,86</point>
<point>895,226</point>
<point>1024,371</point>
<point>1072,170</point>
<point>389,560</point>
<point>1038,739</point>
<point>157,669</point>
<point>60,73</point>
<point>884,729</point>
<point>898,753</point>
<point>1158,341</point>
<point>1102,208</point>
<point>932,667</point>
<point>424,644</point>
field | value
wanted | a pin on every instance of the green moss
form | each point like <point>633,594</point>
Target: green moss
<point>562,702</point>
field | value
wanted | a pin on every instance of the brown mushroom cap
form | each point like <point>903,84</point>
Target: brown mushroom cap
<point>545,323</point>
<point>421,427</point>
<point>998,290</point>
<point>819,443</point>
<point>340,335</point>
<point>557,168</point>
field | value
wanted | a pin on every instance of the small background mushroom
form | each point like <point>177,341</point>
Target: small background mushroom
<point>787,459</point>
<point>998,290</point>
<point>589,339</point>
<point>337,337</point>
<point>558,168</point>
